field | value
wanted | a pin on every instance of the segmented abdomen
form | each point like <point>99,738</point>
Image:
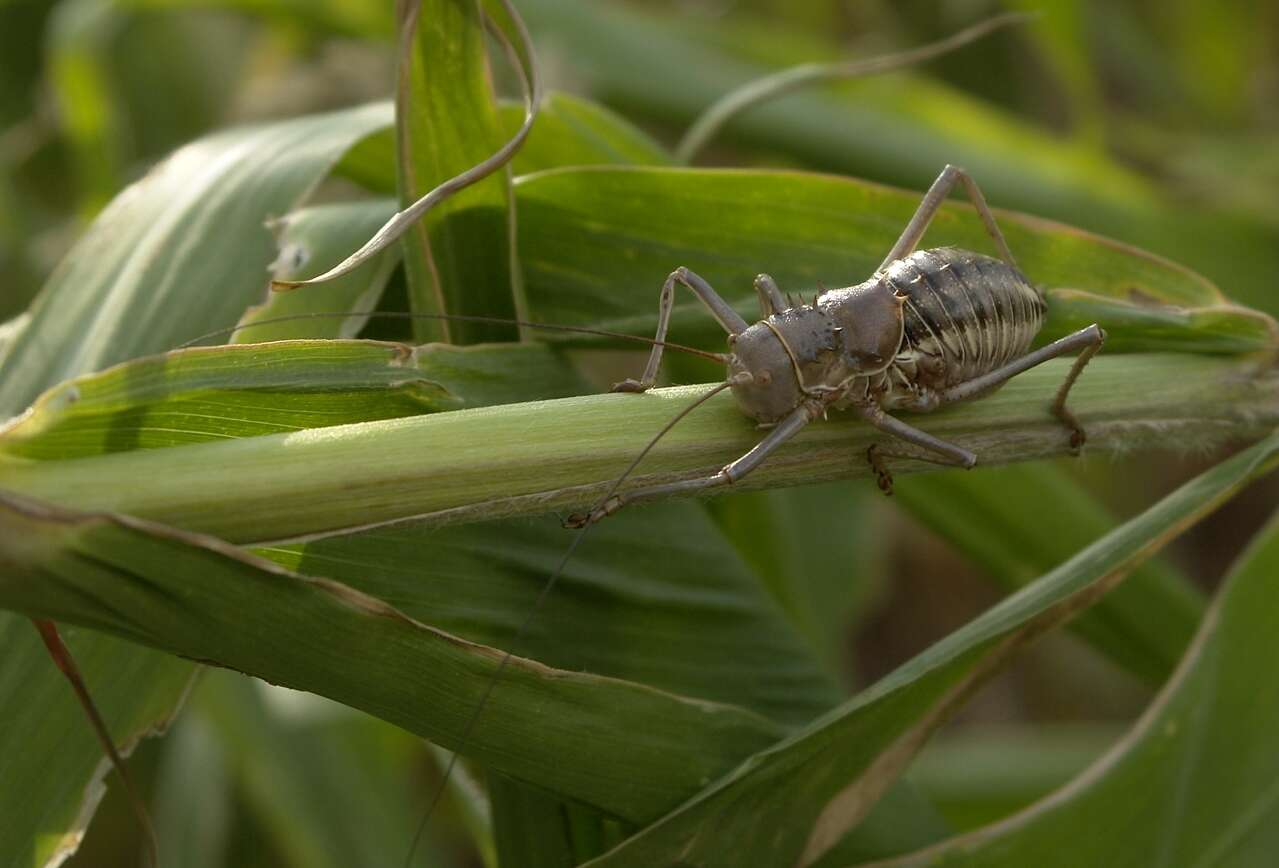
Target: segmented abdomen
<point>965,314</point>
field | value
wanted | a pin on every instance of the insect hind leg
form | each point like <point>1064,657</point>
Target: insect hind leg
<point>1086,341</point>
<point>927,209</point>
<point>1077,434</point>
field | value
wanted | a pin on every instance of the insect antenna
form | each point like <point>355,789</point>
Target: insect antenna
<point>393,314</point>
<point>61,655</point>
<point>545,592</point>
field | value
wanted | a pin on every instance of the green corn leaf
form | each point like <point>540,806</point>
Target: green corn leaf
<point>983,774</point>
<point>311,241</point>
<point>792,803</point>
<point>903,128</point>
<point>229,392</point>
<point>625,749</point>
<point>597,244</point>
<point>537,456</point>
<point>53,767</point>
<point>135,283</point>
<point>327,783</point>
<point>818,550</point>
<point>459,257</point>
<point>193,795</point>
<point>625,606</point>
<point>996,516</point>
<point>1193,782</point>
<point>139,281</point>
<point>536,830</point>
<point>571,131</point>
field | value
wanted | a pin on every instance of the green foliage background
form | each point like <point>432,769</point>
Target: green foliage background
<point>1153,124</point>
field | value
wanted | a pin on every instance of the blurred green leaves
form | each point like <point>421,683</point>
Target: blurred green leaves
<point>182,251</point>
<point>792,803</point>
<point>53,765</point>
<point>1192,781</point>
<point>664,600</point>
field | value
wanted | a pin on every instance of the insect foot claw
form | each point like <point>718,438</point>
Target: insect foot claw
<point>1078,437</point>
<point>581,519</point>
<point>629,385</point>
<point>883,478</point>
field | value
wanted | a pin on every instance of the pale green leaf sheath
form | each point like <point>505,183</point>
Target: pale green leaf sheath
<point>444,467</point>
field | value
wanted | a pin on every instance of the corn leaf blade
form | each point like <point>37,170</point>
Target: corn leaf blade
<point>1192,783</point>
<point>792,803</point>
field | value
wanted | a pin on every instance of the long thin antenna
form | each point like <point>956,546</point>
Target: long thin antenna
<point>769,87</point>
<point>61,655</point>
<point>395,314</point>
<point>469,728</point>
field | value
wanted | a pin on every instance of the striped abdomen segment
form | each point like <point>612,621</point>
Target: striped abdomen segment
<point>964,314</point>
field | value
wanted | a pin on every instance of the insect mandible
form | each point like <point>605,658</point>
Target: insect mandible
<point>928,328</point>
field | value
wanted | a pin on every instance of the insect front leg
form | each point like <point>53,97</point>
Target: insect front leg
<point>932,200</point>
<point>720,309</point>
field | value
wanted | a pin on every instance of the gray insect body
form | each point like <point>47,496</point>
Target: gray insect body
<point>925,323</point>
<point>930,327</point>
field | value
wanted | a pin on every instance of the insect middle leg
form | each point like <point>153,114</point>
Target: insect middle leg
<point>946,453</point>
<point>875,455</point>
<point>720,309</point>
